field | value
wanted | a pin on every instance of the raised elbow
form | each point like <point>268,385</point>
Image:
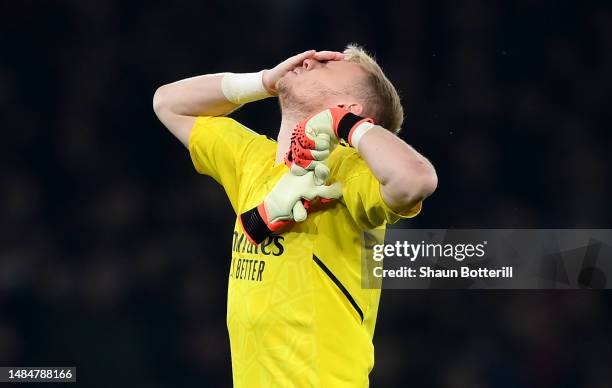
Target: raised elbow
<point>426,184</point>
<point>418,186</point>
<point>160,100</point>
<point>411,187</point>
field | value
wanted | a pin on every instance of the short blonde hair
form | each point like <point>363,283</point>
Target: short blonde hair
<point>381,99</point>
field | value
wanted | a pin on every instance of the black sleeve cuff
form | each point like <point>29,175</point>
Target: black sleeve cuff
<point>254,226</point>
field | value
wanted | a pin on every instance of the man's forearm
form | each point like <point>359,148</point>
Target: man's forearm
<point>406,177</point>
<point>196,96</point>
<point>179,103</point>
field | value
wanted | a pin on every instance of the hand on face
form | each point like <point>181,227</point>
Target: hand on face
<point>272,76</point>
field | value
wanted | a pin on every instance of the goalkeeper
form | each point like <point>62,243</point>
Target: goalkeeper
<point>296,313</point>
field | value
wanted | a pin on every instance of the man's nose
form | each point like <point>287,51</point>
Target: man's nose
<point>310,64</point>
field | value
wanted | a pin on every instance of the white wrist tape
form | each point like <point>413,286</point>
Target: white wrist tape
<point>241,88</point>
<point>358,132</point>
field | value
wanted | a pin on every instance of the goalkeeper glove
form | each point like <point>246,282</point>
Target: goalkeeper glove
<point>317,135</point>
<point>283,205</point>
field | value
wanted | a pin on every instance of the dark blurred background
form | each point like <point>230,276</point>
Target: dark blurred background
<point>114,252</point>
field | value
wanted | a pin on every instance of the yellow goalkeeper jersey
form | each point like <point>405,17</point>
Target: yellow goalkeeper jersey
<point>297,315</point>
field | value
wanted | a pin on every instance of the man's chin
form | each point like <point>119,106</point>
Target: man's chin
<point>285,94</point>
<point>283,84</point>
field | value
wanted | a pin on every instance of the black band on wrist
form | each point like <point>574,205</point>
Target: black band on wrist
<point>254,226</point>
<point>346,124</point>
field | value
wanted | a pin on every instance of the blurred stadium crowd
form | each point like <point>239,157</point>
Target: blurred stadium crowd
<point>114,253</point>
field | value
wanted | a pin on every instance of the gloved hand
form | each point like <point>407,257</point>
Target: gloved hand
<point>283,205</point>
<point>316,136</point>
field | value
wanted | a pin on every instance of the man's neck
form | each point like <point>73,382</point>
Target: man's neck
<point>283,141</point>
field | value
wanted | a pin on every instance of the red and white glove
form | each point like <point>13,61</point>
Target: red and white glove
<point>289,201</point>
<point>314,138</point>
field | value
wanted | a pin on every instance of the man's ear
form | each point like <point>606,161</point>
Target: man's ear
<point>354,108</point>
